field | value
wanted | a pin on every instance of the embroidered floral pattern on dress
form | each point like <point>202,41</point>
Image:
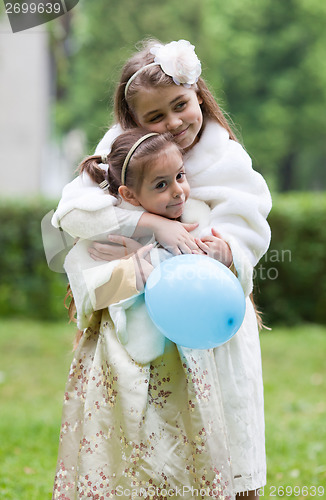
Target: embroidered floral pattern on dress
<point>129,428</point>
<point>157,392</point>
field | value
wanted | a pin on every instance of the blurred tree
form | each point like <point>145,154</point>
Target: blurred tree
<point>265,61</point>
<point>103,36</point>
<point>271,60</point>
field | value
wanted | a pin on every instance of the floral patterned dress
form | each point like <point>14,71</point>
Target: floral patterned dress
<point>141,431</point>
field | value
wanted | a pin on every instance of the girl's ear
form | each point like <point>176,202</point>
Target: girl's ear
<point>128,195</point>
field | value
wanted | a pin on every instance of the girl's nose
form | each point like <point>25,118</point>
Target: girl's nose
<point>173,123</point>
<point>177,190</point>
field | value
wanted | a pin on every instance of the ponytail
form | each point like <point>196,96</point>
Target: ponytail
<point>91,166</point>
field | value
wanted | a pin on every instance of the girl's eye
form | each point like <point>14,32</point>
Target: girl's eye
<point>161,185</point>
<point>180,176</point>
<point>155,118</point>
<point>180,105</point>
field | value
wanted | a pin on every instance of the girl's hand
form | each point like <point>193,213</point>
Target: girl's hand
<point>214,246</point>
<point>171,234</point>
<point>142,267</point>
<point>175,237</point>
<point>118,247</point>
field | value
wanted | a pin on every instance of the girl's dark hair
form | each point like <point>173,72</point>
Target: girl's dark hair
<point>155,77</point>
<point>141,159</point>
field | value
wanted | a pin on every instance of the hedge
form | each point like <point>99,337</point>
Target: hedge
<point>28,288</point>
<point>289,284</point>
<point>290,278</point>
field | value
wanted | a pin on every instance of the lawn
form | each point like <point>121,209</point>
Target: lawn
<point>35,358</point>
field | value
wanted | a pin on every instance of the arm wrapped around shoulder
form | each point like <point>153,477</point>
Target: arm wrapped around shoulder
<point>98,224</point>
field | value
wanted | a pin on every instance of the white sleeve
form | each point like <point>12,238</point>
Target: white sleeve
<point>112,285</point>
<point>237,195</point>
<point>241,210</point>
<point>239,213</point>
<point>96,224</point>
<point>96,285</point>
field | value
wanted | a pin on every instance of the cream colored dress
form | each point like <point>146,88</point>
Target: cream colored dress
<point>132,430</point>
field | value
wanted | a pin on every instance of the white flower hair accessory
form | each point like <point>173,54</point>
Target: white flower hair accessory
<point>178,60</point>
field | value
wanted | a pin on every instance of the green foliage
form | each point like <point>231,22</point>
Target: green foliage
<point>270,57</point>
<point>265,60</point>
<point>290,277</point>
<point>28,287</point>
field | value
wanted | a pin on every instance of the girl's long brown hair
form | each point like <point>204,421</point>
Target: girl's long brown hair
<point>71,307</point>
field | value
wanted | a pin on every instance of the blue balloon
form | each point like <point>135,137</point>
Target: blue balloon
<point>195,301</point>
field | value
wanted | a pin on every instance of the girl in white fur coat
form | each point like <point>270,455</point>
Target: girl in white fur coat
<point>161,90</point>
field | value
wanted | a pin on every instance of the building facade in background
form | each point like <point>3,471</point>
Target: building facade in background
<point>31,162</point>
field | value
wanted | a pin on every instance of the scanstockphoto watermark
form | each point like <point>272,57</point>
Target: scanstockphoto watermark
<point>25,14</point>
<point>268,266</point>
<point>182,492</point>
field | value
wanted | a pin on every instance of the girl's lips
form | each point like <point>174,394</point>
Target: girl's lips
<point>177,204</point>
<point>179,134</point>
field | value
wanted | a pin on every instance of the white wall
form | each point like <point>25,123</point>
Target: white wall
<point>24,108</point>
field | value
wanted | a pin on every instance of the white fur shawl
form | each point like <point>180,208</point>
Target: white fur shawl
<point>220,173</point>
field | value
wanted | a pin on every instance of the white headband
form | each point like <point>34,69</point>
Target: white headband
<point>131,79</point>
<point>130,153</point>
<point>177,59</point>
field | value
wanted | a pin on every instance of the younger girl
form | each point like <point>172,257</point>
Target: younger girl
<point>161,89</point>
<point>142,416</point>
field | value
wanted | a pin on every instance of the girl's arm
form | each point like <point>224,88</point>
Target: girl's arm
<point>172,235</point>
<point>127,279</point>
<point>97,224</point>
<point>98,285</point>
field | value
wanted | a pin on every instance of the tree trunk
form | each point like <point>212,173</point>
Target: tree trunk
<point>286,173</point>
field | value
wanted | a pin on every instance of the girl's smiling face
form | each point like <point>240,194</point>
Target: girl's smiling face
<point>164,189</point>
<point>175,109</point>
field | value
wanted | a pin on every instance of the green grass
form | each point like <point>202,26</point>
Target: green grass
<point>35,359</point>
<point>295,408</point>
